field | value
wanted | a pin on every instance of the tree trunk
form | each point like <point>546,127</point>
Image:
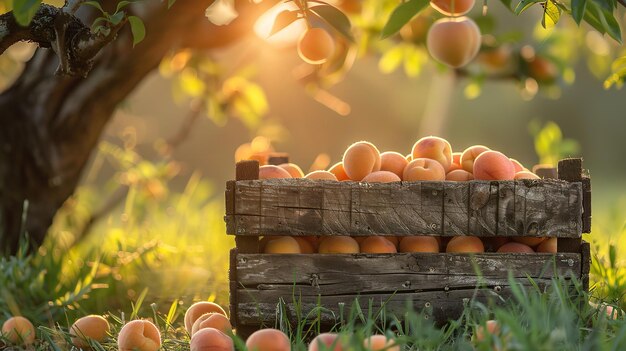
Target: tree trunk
<point>50,124</point>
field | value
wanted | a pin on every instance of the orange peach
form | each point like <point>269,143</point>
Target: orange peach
<point>139,335</point>
<point>306,246</point>
<point>469,155</point>
<point>409,157</point>
<point>377,244</point>
<point>271,172</point>
<point>419,244</point>
<point>89,327</point>
<point>361,159</point>
<point>454,41</point>
<point>211,339</point>
<point>424,169</point>
<point>492,327</point>
<point>515,247</point>
<point>359,239</point>
<point>379,343</point>
<point>517,165</point>
<point>433,148</point>
<point>282,245</point>
<point>493,165</point>
<point>316,46</point>
<point>198,309</point>
<point>393,239</point>
<point>268,340</point>
<point>531,241</point>
<point>456,161</point>
<point>212,320</point>
<point>313,240</point>
<point>526,175</point>
<point>327,342</point>
<point>493,243</point>
<point>452,7</point>
<point>321,175</point>
<point>459,175</point>
<point>339,172</point>
<point>465,244</point>
<point>393,162</point>
<point>19,331</point>
<point>338,244</point>
<point>381,177</point>
<point>293,169</point>
<point>548,246</point>
<point>543,70</point>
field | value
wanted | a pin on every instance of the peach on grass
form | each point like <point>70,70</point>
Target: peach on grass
<point>393,162</point>
<point>198,309</point>
<point>282,245</point>
<point>433,148</point>
<point>338,244</point>
<point>139,335</point>
<point>381,177</point>
<point>454,41</point>
<point>514,247</point>
<point>459,175</point>
<point>493,165</point>
<point>424,169</point>
<point>89,327</point>
<point>212,320</point>
<point>491,327</point>
<point>526,175</point>
<point>531,241</point>
<point>321,175</point>
<point>268,340</point>
<point>339,172</point>
<point>293,169</point>
<point>469,155</point>
<point>316,46</point>
<point>272,172</point>
<point>326,342</point>
<point>19,331</point>
<point>211,339</point>
<point>548,246</point>
<point>306,246</point>
<point>379,343</point>
<point>465,244</point>
<point>419,244</point>
<point>452,7</point>
<point>377,244</point>
<point>361,159</point>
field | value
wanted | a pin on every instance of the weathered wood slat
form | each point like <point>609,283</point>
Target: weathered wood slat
<point>482,208</point>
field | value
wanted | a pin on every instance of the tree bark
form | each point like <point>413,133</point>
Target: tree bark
<point>49,124</point>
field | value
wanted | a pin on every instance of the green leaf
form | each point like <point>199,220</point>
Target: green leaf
<point>94,4</point>
<point>137,28</point>
<point>401,15</point>
<point>334,18</point>
<point>283,19</point>
<point>122,4</point>
<point>524,5</point>
<point>25,10</point>
<point>603,20</point>
<point>551,14</point>
<point>117,18</point>
<point>578,10</point>
<point>508,4</point>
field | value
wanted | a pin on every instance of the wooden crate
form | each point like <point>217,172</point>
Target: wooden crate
<point>437,284</point>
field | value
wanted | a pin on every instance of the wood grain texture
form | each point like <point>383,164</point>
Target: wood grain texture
<point>244,170</point>
<point>481,208</point>
<point>571,169</point>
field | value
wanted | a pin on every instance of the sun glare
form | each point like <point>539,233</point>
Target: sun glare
<point>286,37</point>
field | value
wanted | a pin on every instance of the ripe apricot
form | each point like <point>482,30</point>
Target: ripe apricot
<point>456,161</point>
<point>361,159</point>
<point>434,148</point>
<point>19,331</point>
<point>492,327</point>
<point>268,340</point>
<point>198,309</point>
<point>517,165</point>
<point>316,46</point>
<point>452,7</point>
<point>211,339</point>
<point>515,247</point>
<point>212,320</point>
<point>493,165</point>
<point>393,239</point>
<point>321,175</point>
<point>338,244</point>
<point>469,155</point>
<point>465,244</point>
<point>293,169</point>
<point>381,177</point>
<point>326,342</point>
<point>393,162</point>
<point>493,243</point>
<point>424,169</point>
<point>306,246</point>
<point>282,245</point>
<point>409,157</point>
<point>271,172</point>
<point>548,246</point>
<point>379,343</point>
<point>526,175</point>
<point>139,335</point>
<point>377,244</point>
<point>89,327</point>
<point>420,243</point>
<point>531,241</point>
<point>459,175</point>
<point>339,172</point>
<point>454,41</point>
<point>496,60</point>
